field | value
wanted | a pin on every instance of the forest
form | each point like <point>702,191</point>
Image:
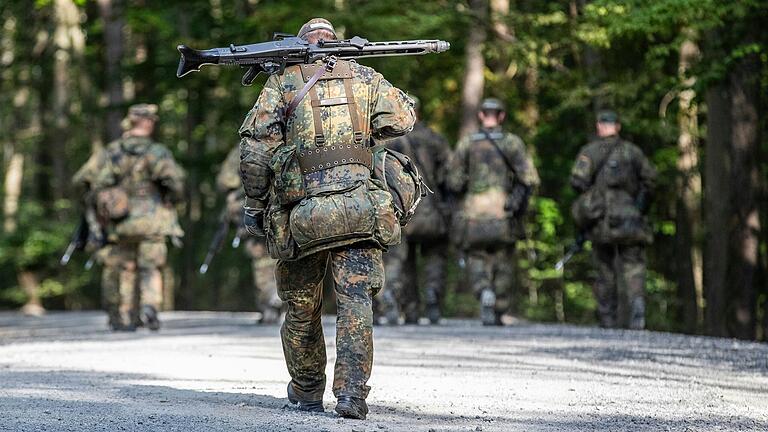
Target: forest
<point>688,78</point>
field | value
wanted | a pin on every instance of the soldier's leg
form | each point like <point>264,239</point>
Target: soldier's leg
<point>268,302</point>
<point>359,274</point>
<point>110,285</point>
<point>434,277</point>
<point>480,269</point>
<point>129,283</point>
<point>151,259</point>
<point>504,279</point>
<point>299,285</point>
<point>632,272</point>
<point>388,301</point>
<point>409,297</point>
<point>605,290</point>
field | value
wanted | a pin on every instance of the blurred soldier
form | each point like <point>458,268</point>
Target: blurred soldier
<point>306,167</point>
<point>494,174</point>
<point>427,233</point>
<point>132,185</point>
<point>615,181</point>
<point>228,181</point>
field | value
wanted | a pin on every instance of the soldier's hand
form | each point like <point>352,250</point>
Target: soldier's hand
<point>253,221</point>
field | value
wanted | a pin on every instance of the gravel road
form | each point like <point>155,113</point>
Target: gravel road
<point>219,372</point>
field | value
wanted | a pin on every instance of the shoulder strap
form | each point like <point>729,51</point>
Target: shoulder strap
<point>599,166</point>
<point>304,90</point>
<point>501,152</point>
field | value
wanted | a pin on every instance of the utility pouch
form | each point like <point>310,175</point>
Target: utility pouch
<point>288,181</point>
<point>280,242</point>
<point>401,178</point>
<point>112,204</point>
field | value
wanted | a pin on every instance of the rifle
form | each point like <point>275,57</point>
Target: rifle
<point>218,240</point>
<point>77,242</point>
<point>575,247</point>
<point>286,50</point>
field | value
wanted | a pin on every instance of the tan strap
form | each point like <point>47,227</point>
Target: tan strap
<point>303,92</point>
<point>322,158</point>
<point>352,107</point>
<point>317,118</point>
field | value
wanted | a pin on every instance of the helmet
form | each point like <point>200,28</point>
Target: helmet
<point>607,116</point>
<point>139,111</point>
<point>315,24</point>
<point>492,104</point>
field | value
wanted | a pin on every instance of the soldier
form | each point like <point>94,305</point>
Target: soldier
<point>306,167</point>
<point>495,177</point>
<point>228,182</point>
<point>615,181</point>
<point>426,233</point>
<point>131,187</point>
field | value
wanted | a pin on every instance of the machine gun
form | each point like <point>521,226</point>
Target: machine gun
<point>218,240</point>
<point>77,242</point>
<point>287,50</point>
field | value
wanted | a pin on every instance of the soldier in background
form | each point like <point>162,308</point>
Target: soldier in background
<point>228,182</point>
<point>131,187</point>
<point>494,176</point>
<point>425,235</point>
<point>615,181</point>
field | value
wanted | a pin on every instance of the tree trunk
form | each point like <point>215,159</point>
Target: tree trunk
<point>12,192</point>
<point>474,79</point>
<point>688,214</point>
<point>111,12</point>
<point>717,195</point>
<point>744,86</point>
<point>69,42</point>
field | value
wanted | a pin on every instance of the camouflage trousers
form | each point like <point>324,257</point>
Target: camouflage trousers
<point>401,267</point>
<point>493,270</point>
<point>620,285</point>
<point>358,274</point>
<point>132,277</point>
<point>263,266</point>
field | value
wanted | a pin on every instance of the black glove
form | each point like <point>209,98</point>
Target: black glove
<point>253,221</point>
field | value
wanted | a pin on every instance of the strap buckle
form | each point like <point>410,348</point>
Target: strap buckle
<point>330,63</point>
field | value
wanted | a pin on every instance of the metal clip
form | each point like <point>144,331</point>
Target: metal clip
<point>330,63</point>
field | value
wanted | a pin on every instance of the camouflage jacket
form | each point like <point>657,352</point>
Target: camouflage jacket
<point>228,182</point>
<point>480,167</point>
<point>149,175</point>
<point>383,111</point>
<point>616,175</point>
<point>622,166</point>
<point>431,153</point>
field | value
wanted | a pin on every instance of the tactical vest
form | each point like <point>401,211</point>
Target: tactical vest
<point>133,204</point>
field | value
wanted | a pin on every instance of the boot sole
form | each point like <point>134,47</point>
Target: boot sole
<point>350,412</point>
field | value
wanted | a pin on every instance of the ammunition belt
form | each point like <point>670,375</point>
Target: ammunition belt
<point>322,158</point>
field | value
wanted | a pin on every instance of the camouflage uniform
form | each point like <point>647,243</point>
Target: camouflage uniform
<point>383,112</point>
<point>620,179</point>
<point>134,250</point>
<point>491,206</point>
<point>263,266</point>
<point>426,233</point>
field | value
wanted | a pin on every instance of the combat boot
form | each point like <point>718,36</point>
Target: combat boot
<point>149,318</point>
<point>302,405</point>
<point>487,308</point>
<point>433,313</point>
<point>352,407</point>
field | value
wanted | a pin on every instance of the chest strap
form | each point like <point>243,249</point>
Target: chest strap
<point>322,158</point>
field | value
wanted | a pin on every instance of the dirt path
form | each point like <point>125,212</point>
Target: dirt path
<point>219,372</point>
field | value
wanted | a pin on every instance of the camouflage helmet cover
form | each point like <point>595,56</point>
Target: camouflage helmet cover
<point>139,111</point>
<point>316,24</point>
